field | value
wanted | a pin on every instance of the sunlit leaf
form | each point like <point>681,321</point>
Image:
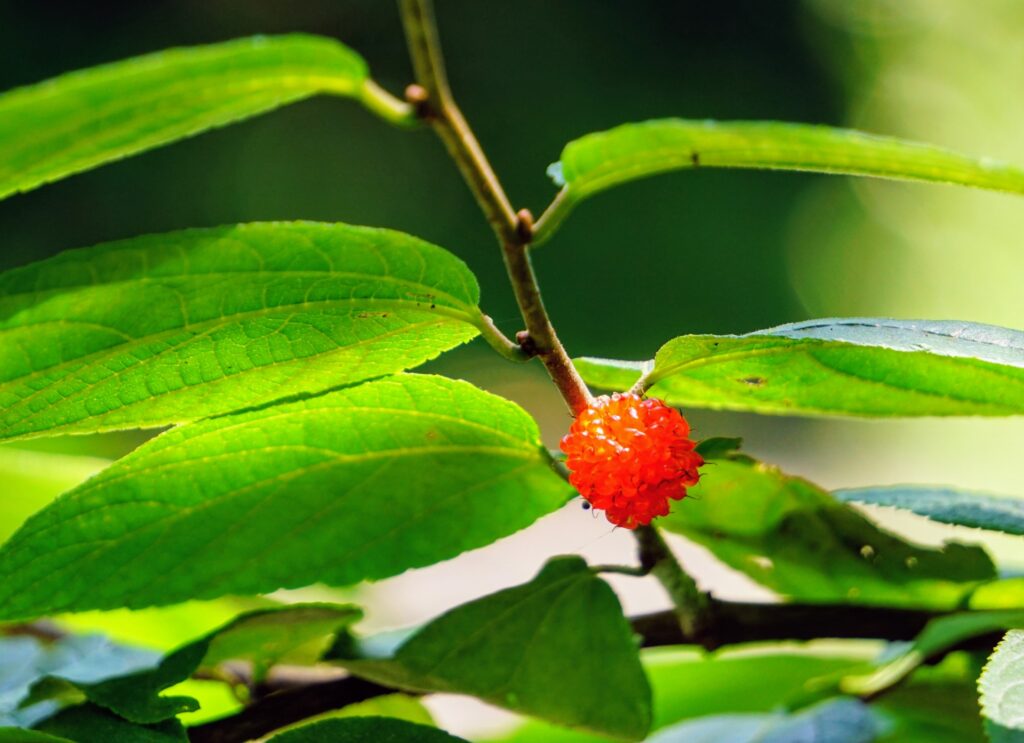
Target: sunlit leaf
<point>1002,690</point>
<point>602,160</point>
<point>174,327</point>
<point>362,483</point>
<point>83,119</point>
<point>851,366</point>
<point>365,730</point>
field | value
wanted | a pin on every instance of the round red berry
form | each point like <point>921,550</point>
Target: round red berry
<point>630,456</point>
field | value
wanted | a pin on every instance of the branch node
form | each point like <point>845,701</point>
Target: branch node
<point>418,97</point>
<point>524,226</point>
<point>526,342</point>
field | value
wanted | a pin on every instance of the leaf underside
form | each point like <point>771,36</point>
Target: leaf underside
<point>946,505</point>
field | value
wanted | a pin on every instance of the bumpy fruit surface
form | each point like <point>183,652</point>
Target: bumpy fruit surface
<point>630,456</point>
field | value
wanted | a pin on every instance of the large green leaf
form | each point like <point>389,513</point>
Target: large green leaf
<point>848,366</point>
<point>793,537</point>
<point>601,160</point>
<point>365,730</point>
<point>361,483</point>
<point>32,479</point>
<point>938,636</point>
<point>1001,687</point>
<point>689,683</point>
<point>84,119</point>
<point>947,505</point>
<point>174,327</point>
<point>557,648</point>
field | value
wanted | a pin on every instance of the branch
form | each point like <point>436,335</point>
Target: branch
<point>291,697</point>
<point>514,230</point>
<point>692,606</point>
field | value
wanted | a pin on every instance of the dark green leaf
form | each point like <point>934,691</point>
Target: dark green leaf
<point>1001,687</point>
<point>175,327</point>
<point>21,735</point>
<point>84,119</point>
<point>599,161</point>
<point>782,530</point>
<point>689,683</point>
<point>948,505</point>
<point>853,366</point>
<point>365,730</point>
<point>833,721</point>
<point>90,724</point>
<point>557,648</point>
<point>938,636</point>
<point>361,483</point>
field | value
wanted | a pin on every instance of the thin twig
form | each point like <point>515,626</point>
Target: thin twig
<point>692,606</point>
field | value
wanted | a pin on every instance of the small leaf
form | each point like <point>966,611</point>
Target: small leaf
<point>851,367</point>
<point>358,484</point>
<point>171,328</point>
<point>511,649</point>
<point>946,505</point>
<point>938,636</point>
<point>84,119</point>
<point>90,724</point>
<point>599,161</point>
<point>1002,690</point>
<point>780,530</point>
<point>365,730</point>
<point>832,721</point>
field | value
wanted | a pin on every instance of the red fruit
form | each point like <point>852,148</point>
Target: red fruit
<point>629,456</point>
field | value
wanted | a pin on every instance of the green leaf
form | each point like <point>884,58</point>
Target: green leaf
<point>32,479</point>
<point>262,637</point>
<point>1001,687</point>
<point>601,160</point>
<point>365,730</point>
<point>832,721</point>
<point>938,704</point>
<point>780,530</point>
<point>946,505</point>
<point>557,648</point>
<point>90,724</point>
<point>21,735</point>
<point>84,119</point>
<point>361,483</point>
<point>938,636</point>
<point>171,328</point>
<point>689,683</point>
<point>850,366</point>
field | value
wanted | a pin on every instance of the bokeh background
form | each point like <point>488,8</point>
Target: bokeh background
<point>704,251</point>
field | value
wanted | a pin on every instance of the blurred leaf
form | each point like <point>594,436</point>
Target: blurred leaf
<point>689,684</point>
<point>32,479</point>
<point>599,161</point>
<point>175,327</point>
<point>1002,690</point>
<point>21,735</point>
<point>946,505</point>
<point>781,531</point>
<point>365,730</point>
<point>938,704</point>
<point>398,706</point>
<point>938,636</point>
<point>90,724</point>
<point>261,637</point>
<point>1007,593</point>
<point>831,721</point>
<point>852,366</point>
<point>557,648</point>
<point>361,483</point>
<point>81,659</point>
<point>83,119</point>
